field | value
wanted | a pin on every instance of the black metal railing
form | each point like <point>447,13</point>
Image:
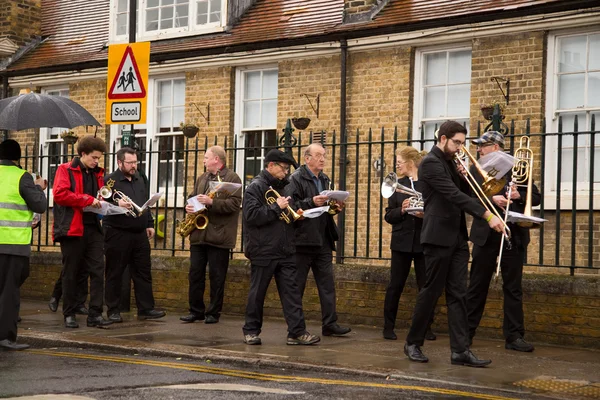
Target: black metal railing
<point>567,240</point>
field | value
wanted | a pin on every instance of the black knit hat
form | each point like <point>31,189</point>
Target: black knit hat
<point>279,156</point>
<point>10,150</point>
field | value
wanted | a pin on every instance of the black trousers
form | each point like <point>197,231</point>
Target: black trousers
<point>218,263</point>
<point>14,270</point>
<point>399,270</point>
<point>122,249</point>
<point>284,271</point>
<point>82,255</point>
<point>446,269</point>
<point>483,268</point>
<point>320,261</point>
<point>82,286</point>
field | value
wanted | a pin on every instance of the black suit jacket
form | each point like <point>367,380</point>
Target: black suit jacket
<point>480,230</point>
<point>447,198</point>
<point>406,229</point>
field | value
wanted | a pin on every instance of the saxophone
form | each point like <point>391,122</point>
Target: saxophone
<point>197,220</point>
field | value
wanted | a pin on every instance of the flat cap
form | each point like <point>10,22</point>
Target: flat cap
<point>279,156</point>
<point>491,137</point>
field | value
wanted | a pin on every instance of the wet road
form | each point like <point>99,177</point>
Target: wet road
<point>77,373</point>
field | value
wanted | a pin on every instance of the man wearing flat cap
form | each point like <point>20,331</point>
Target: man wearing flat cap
<point>20,197</point>
<point>486,247</point>
<point>270,247</point>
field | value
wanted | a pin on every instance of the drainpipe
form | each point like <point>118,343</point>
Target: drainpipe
<point>4,95</point>
<point>343,148</point>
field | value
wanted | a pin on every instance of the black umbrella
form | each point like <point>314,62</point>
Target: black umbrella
<point>34,110</point>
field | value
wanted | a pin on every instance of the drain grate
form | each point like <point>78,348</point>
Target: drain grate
<point>551,384</point>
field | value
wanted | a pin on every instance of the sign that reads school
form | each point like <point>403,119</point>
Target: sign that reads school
<point>127,82</point>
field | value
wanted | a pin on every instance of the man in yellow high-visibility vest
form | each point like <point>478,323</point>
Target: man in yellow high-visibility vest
<point>20,197</point>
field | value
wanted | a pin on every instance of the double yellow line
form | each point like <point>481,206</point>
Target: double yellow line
<point>267,377</point>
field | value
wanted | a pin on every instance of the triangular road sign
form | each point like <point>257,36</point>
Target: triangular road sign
<point>127,83</point>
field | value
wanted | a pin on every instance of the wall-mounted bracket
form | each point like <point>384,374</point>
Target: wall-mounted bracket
<point>317,99</point>
<point>506,81</point>
<point>207,116</point>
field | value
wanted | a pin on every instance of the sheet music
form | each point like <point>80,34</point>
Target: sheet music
<point>229,187</point>
<point>315,212</point>
<point>152,200</point>
<point>514,217</point>
<point>340,195</point>
<point>195,203</point>
<point>497,164</point>
<point>106,208</point>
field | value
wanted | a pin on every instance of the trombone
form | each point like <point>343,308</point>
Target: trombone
<point>489,187</point>
<point>288,215</point>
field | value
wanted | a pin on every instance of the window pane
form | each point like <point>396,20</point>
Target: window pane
<point>593,89</point>
<point>435,102</point>
<point>459,99</point>
<point>594,58</point>
<point>269,113</point>
<point>179,92</point>
<point>251,114</point>
<point>215,10</point>
<point>151,3</point>
<point>572,54</point>
<point>152,20</point>
<point>181,14</point>
<point>570,91</point>
<point>435,65</point>
<point>459,67</point>
<point>122,24</point>
<point>252,88</point>
<point>164,93</point>
<point>123,6</point>
<point>166,2</point>
<point>164,117</point>
<point>202,13</point>
<point>270,84</point>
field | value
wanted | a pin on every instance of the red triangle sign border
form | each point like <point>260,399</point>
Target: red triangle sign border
<point>142,93</point>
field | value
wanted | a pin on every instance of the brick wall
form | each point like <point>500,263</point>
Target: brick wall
<point>358,6</point>
<point>20,20</point>
<point>558,309</point>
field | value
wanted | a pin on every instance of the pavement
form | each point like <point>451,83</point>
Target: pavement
<point>560,372</point>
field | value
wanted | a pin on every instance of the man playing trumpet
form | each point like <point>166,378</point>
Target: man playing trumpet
<point>212,244</point>
<point>270,246</point>
<point>486,247</point>
<point>126,239</point>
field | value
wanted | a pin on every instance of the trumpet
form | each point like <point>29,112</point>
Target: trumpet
<point>488,187</point>
<point>288,215</point>
<point>106,192</point>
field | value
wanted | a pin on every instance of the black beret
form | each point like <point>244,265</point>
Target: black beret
<point>10,150</point>
<point>279,156</point>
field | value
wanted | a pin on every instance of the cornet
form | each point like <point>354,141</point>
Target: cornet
<point>288,215</point>
<point>135,210</point>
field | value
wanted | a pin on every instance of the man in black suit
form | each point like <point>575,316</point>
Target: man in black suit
<point>444,239</point>
<point>486,247</point>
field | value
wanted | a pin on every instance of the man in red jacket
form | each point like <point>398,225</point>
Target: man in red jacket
<point>76,184</point>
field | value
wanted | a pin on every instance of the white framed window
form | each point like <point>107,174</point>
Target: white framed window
<point>54,150</point>
<point>255,117</point>
<point>158,19</point>
<point>573,86</point>
<point>442,89</point>
<point>160,141</point>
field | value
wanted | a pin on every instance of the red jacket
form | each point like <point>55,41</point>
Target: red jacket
<point>69,199</point>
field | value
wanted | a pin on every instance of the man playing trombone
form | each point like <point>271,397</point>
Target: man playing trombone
<point>444,239</point>
<point>126,239</point>
<point>268,223</point>
<point>486,248</point>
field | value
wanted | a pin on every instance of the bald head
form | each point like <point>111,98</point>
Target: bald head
<point>314,157</point>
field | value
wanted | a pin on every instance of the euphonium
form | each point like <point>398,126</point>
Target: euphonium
<point>288,215</point>
<point>523,172</point>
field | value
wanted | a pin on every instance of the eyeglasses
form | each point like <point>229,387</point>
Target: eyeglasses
<point>130,162</point>
<point>482,145</point>
<point>458,143</point>
<point>317,156</point>
<point>286,168</point>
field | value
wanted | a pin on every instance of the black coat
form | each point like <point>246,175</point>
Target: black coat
<point>406,229</point>
<point>480,230</point>
<point>447,198</point>
<point>310,232</point>
<point>266,237</point>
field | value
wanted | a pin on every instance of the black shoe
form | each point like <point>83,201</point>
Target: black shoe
<point>71,322</point>
<point>81,310</point>
<point>389,335</point>
<point>150,314</point>
<point>468,359</point>
<point>53,304</point>
<point>12,346</point>
<point>192,317</point>
<point>19,319</point>
<point>429,335</point>
<point>335,330</point>
<point>414,353</point>
<point>97,321</point>
<point>115,317</point>
<point>211,319</point>
<point>519,345</point>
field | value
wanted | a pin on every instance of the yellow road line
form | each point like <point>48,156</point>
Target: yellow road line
<point>267,377</point>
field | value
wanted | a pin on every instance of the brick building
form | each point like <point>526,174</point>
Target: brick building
<point>397,67</point>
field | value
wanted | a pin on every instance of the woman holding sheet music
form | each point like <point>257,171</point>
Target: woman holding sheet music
<point>406,239</point>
